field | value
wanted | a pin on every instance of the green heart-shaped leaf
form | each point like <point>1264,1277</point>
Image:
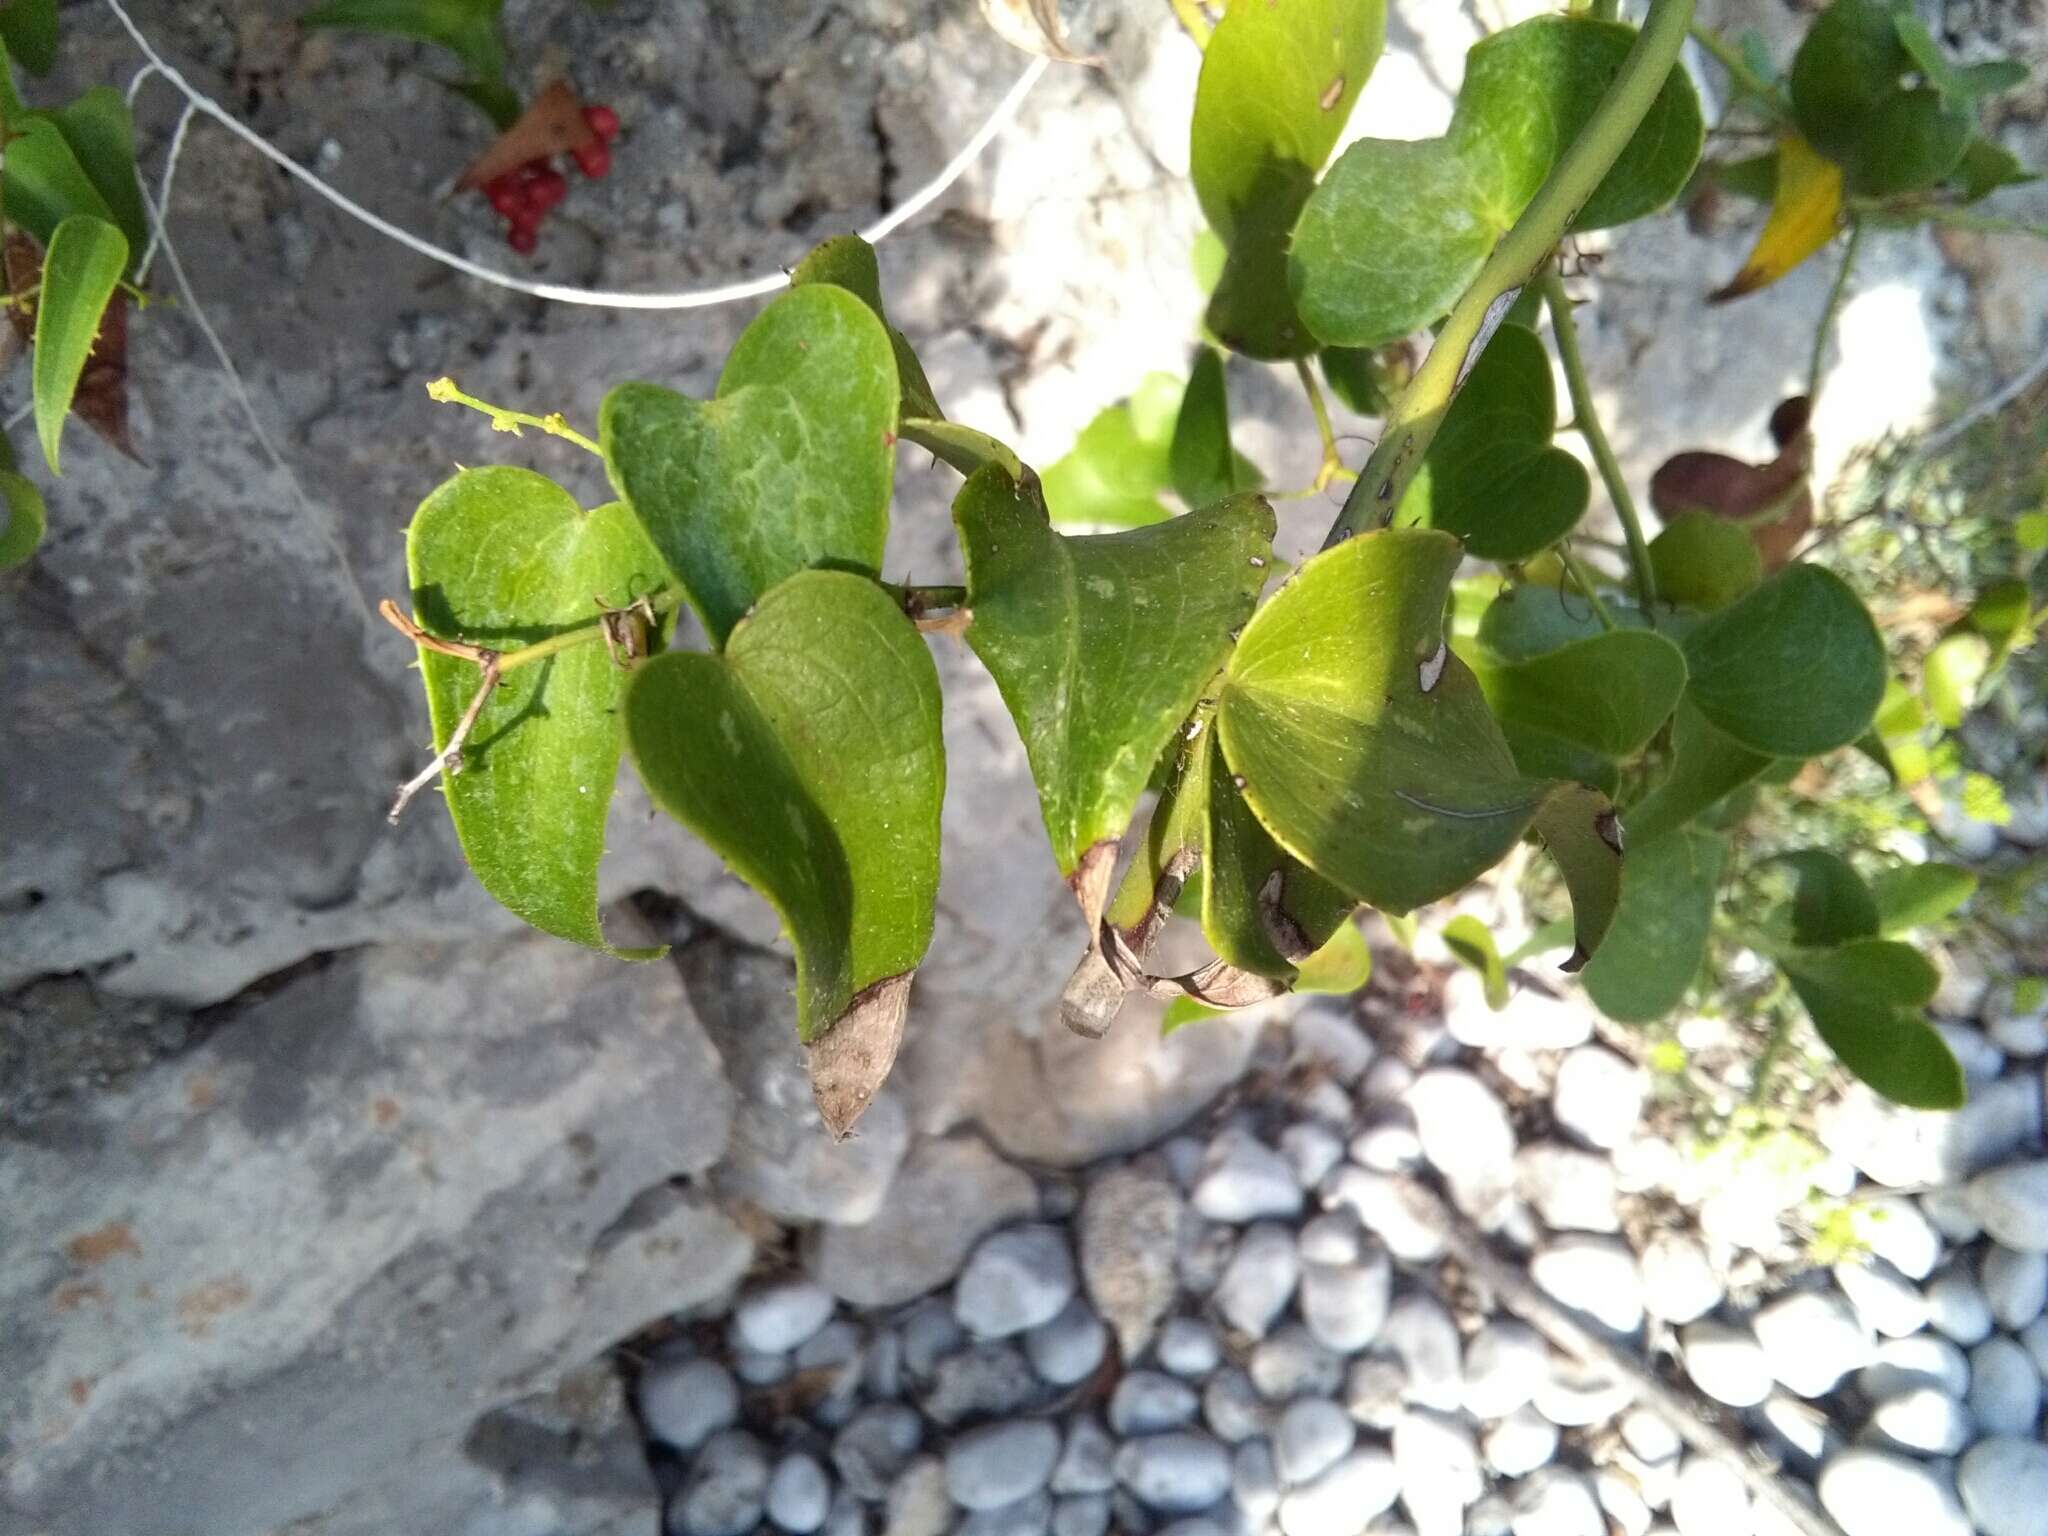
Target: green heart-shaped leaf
<point>1610,693</point>
<point>1277,85</point>
<point>1825,901</point>
<point>1121,463</point>
<point>505,558</point>
<point>1533,619</point>
<point>788,468</point>
<point>1397,230</point>
<point>1910,896</point>
<point>29,28</point>
<point>1707,765</point>
<point>1704,562</point>
<point>1200,460</point>
<point>808,755</point>
<point>1493,476</point>
<point>1853,105</point>
<point>1366,748</point>
<point>1866,998</point>
<point>1653,951</point>
<point>1101,645</point>
<point>1792,669</point>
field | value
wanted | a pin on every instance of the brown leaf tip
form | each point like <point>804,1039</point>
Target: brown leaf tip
<point>1090,880</point>
<point>1575,961</point>
<point>851,1060</point>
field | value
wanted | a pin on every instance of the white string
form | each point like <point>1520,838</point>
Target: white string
<point>561,293</point>
<point>163,186</point>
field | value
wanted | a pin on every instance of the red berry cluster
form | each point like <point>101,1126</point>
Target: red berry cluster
<point>523,196</point>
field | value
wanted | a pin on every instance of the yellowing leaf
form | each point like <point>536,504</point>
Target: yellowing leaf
<point>1804,214</point>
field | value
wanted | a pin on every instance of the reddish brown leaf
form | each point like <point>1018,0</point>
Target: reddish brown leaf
<point>552,125</point>
<point>1773,500</point>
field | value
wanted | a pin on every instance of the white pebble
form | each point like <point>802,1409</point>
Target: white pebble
<point>1886,1300</point>
<point>1649,1435</point>
<point>1466,1135</point>
<point>1014,1280</point>
<point>1312,1149</point>
<point>1259,1280</point>
<point>1710,1499</point>
<point>726,1489</point>
<point>1386,1079</point>
<point>1900,1233</point>
<point>1255,1481</point>
<point>1389,1142</point>
<point>1530,1022</point>
<point>1980,1059</point>
<point>1726,1363</point>
<point>1146,1402</point>
<point>799,1494</point>
<point>1188,1347</point>
<point>1438,1466</point>
<point>1421,1335</point>
<point>2004,1483</point>
<point>1411,1231</point>
<point>1812,1339</point>
<point>1291,1362</point>
<point>1627,1510</point>
<point>1077,1514</point>
<point>2019,1032</point>
<point>1573,1396</point>
<point>1571,1189</point>
<point>1679,1283</point>
<point>1493,1515</point>
<point>1519,1443</point>
<point>1344,1499</point>
<point>2015,1286</point>
<point>1802,1428</point>
<point>1951,1214</point>
<point>776,1318</point>
<point>2012,1202</point>
<point>683,1401</point>
<point>2034,1339</point>
<point>1345,1305</point>
<point>1177,1473</point>
<point>1924,1360</point>
<point>1598,1096</point>
<point>1924,1420</point>
<point>1556,1501</point>
<point>1335,1237</point>
<point>1594,1275</point>
<point>2005,1389</point>
<point>1879,1493</point>
<point>1376,1391</point>
<point>1309,1437</point>
<point>1070,1347</point>
<point>1957,1308</point>
<point>1245,1180</point>
<point>1001,1463</point>
<point>1326,1034</point>
<point>1505,1362</point>
<point>1087,1461</point>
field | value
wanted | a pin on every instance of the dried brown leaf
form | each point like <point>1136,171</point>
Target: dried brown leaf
<point>851,1060</point>
<point>552,125</point>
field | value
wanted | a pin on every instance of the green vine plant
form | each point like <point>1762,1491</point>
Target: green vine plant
<point>1364,729</point>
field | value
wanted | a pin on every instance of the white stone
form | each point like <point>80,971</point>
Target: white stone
<point>1466,1136</point>
<point>1087,1461</point>
<point>1146,1402</point>
<point>1556,1501</point>
<point>1505,1362</point>
<point>1532,1020</point>
<point>1077,1514</point>
<point>917,1505</point>
<point>1245,1180</point>
<point>1812,1339</point>
<point>2034,1339</point>
<point>1000,1463</point>
<point>683,1400</point>
<point>1594,1275</point>
<point>1386,1080</point>
<point>1899,1232</point>
<point>1650,1435</point>
<point>1255,1481</point>
<point>1710,1499</point>
<point>1597,1097</point>
<point>1309,1437</point>
<point>1312,1149</point>
<point>1335,1237</point>
<point>1028,1516</point>
<point>1344,1499</point>
<point>1177,1473</point>
<point>1131,1223</point>
<point>1259,1280</point>
<point>2004,1484</point>
<point>1326,1034</point>
<point>1420,1334</point>
<point>1519,1443</point>
<point>1188,1347</point>
<point>2019,1032</point>
<point>1885,1299</point>
<point>1679,1282</point>
<point>1069,1347</point>
<point>1925,1359</point>
<point>1980,1059</point>
<point>1571,1189</point>
<point>2005,1389</point>
<point>1376,1390</point>
<point>774,1319</point>
<point>874,1446</point>
<point>1956,1307</point>
<point>1291,1362</point>
<point>1389,1142</point>
<point>2012,1202</point>
<point>1951,1214</point>
<point>1345,1305</point>
<point>1492,1515</point>
<point>1726,1363</point>
<point>2015,1286</point>
<point>1014,1280</point>
<point>1573,1396</point>
<point>1412,1231</point>
<point>727,1487</point>
<point>1901,1147</point>
<point>799,1494</point>
<point>1437,1464</point>
<point>1801,1427</point>
<point>1233,1408</point>
<point>1627,1510</point>
<point>1880,1493</point>
<point>1924,1420</point>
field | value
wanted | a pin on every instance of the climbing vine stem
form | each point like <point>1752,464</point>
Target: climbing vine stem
<point>1522,251</point>
<point>1586,421</point>
<point>1827,316</point>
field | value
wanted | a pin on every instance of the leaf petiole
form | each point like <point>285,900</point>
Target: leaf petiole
<point>555,424</point>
